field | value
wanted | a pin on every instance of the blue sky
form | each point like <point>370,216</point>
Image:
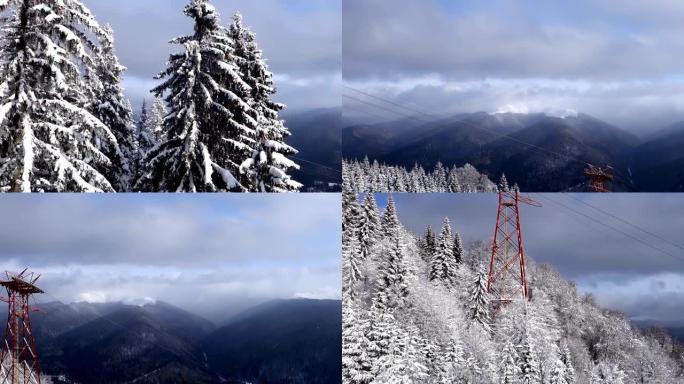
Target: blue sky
<point>300,38</point>
<point>616,60</point>
<point>205,253</point>
<point>621,272</point>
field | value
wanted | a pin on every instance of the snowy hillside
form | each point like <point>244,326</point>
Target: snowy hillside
<point>416,310</point>
<point>366,177</point>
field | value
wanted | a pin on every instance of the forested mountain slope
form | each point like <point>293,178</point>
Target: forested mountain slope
<point>416,310</point>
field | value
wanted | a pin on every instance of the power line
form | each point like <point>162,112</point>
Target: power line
<point>618,230</point>
<point>318,164</point>
<point>388,101</point>
<point>364,111</point>
<point>500,135</point>
<point>383,108</point>
<point>628,223</point>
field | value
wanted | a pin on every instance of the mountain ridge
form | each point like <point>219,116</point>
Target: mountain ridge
<point>155,342</point>
<point>551,151</point>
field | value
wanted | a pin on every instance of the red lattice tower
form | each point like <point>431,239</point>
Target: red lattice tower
<point>18,357</point>
<point>598,177</point>
<point>507,278</point>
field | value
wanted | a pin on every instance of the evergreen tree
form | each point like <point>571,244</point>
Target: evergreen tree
<point>405,363</point>
<point>391,287</point>
<point>144,138</point>
<point>566,359</point>
<point>478,302</point>
<point>430,244</point>
<point>211,127</point>
<point>558,374</point>
<point>357,364</point>
<point>373,217</point>
<point>155,123</point>
<point>443,265</point>
<point>368,225</point>
<point>114,110</point>
<point>150,126</point>
<point>266,169</point>
<point>49,139</point>
<point>351,262</point>
<point>503,184</point>
<point>453,183</point>
<point>351,245</point>
<point>510,372</point>
<point>458,251</point>
<point>390,220</point>
<point>529,361</point>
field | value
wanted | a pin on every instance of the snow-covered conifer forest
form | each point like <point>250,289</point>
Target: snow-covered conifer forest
<point>66,125</point>
<point>416,310</point>
<point>364,176</point>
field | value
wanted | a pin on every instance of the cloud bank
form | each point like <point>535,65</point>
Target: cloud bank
<point>618,61</point>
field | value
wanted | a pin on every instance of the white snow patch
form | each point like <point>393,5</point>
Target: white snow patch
<point>139,301</point>
<point>92,297</point>
<point>524,110</point>
<point>561,113</point>
<point>511,108</point>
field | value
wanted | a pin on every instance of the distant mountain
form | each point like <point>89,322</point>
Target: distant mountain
<point>277,342</point>
<point>154,343</point>
<point>293,342</point>
<point>316,134</point>
<point>674,329</point>
<point>658,163</point>
<point>523,146</point>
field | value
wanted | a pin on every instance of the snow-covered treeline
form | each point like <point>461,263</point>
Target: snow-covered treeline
<point>416,310</point>
<point>65,124</point>
<point>364,176</point>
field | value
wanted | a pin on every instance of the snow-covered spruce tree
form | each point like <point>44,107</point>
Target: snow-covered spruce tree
<point>429,244</point>
<point>566,359</point>
<point>406,362</point>
<point>478,301</point>
<point>155,122</point>
<point>357,364</point>
<point>458,251</point>
<point>443,265</point>
<point>373,217</point>
<point>49,139</point>
<point>528,362</point>
<point>391,287</point>
<point>453,181</point>
<point>114,110</point>
<point>349,202</point>
<point>366,229</point>
<point>390,220</point>
<point>508,358</point>
<point>144,136</point>
<point>503,184</point>
<point>557,375</point>
<point>353,259</point>
<point>211,127</point>
<point>267,168</point>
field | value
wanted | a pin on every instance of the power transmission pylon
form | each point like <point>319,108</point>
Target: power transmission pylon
<point>598,177</point>
<point>18,357</point>
<point>507,279</point>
